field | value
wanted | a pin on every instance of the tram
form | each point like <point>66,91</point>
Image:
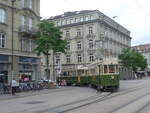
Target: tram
<point>101,74</point>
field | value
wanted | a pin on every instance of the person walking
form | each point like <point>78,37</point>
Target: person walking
<point>14,84</point>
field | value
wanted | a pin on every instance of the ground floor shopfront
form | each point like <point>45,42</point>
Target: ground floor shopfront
<point>24,68</point>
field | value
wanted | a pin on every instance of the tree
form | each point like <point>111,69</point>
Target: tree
<point>49,38</point>
<point>132,60</point>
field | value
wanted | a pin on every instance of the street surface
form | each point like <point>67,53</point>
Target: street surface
<point>132,97</point>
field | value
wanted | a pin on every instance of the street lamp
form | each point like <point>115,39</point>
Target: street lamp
<point>12,42</point>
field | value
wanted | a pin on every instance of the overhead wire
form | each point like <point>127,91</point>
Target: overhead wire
<point>84,4</point>
<point>81,2</point>
<point>143,9</point>
<point>69,4</point>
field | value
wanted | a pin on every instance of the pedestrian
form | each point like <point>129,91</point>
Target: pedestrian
<point>62,82</point>
<point>14,84</point>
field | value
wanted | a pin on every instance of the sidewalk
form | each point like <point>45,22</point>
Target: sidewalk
<point>31,93</point>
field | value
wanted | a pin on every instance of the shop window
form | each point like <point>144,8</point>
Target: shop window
<point>28,60</point>
<point>4,58</point>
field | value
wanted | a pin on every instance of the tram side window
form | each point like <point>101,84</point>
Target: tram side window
<point>105,69</point>
<point>111,69</point>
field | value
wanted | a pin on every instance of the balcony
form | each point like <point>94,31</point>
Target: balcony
<point>78,37</point>
<point>91,35</point>
<point>27,31</point>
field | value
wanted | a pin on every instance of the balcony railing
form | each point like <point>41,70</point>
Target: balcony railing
<point>90,35</point>
<point>78,37</point>
<point>26,30</point>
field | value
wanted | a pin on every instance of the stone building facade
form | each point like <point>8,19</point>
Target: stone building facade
<point>90,35</point>
<point>25,16</point>
<point>145,50</point>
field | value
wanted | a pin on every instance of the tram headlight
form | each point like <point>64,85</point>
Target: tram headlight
<point>112,77</point>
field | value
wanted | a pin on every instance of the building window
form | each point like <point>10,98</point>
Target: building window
<point>62,22</point>
<point>30,24</point>
<point>26,4</point>
<point>91,45</point>
<point>22,3</point>
<point>91,17</point>
<point>91,58</point>
<point>27,44</point>
<point>22,21</point>
<point>2,15</point>
<point>78,32</point>
<point>90,30</point>
<point>67,22</point>
<point>71,21</point>
<point>31,45</point>
<point>57,59</point>
<point>26,23</point>
<point>68,58</point>
<point>79,45</point>
<point>2,40</point>
<point>86,18</point>
<point>76,20</point>
<point>30,4</point>
<point>81,19</point>
<point>68,45</point>
<point>67,33</point>
<point>79,58</point>
<point>22,44</point>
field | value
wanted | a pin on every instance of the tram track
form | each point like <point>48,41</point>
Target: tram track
<point>121,108</point>
<point>146,105</point>
<point>71,106</point>
<point>106,97</point>
<point>62,108</point>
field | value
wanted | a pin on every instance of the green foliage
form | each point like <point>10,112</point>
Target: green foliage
<point>132,59</point>
<point>49,38</point>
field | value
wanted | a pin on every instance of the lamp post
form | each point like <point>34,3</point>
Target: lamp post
<point>12,42</point>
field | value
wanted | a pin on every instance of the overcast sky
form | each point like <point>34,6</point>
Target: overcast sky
<point>132,14</point>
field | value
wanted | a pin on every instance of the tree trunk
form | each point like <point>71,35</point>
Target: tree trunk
<point>47,67</point>
<point>53,67</point>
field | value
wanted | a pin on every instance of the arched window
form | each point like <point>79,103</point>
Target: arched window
<point>2,15</point>
<point>2,40</point>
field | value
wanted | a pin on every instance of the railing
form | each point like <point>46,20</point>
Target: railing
<point>27,30</point>
<point>90,35</point>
